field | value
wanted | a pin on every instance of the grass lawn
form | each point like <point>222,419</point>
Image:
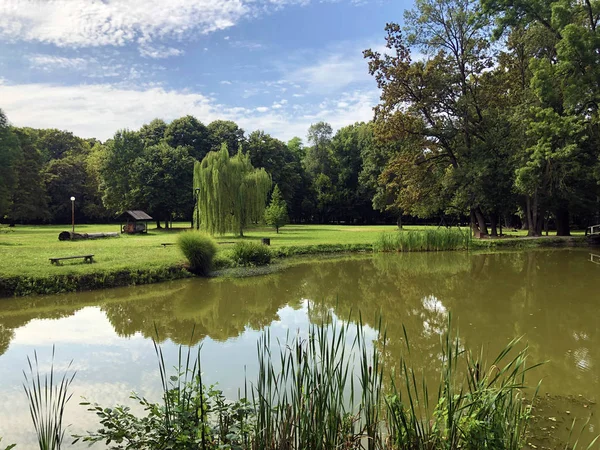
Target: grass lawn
<point>25,250</point>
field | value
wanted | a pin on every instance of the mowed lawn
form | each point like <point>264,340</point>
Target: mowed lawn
<point>25,250</point>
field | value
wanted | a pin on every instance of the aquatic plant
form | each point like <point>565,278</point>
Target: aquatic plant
<point>199,249</point>
<point>325,390</point>
<point>47,401</point>
<point>11,446</point>
<point>246,253</point>
<point>439,239</point>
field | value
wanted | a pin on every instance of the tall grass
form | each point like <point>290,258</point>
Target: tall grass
<point>434,240</point>
<point>326,391</point>
<point>199,249</point>
<point>246,253</point>
<point>47,401</point>
<point>305,395</point>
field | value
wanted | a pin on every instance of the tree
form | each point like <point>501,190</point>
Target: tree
<point>116,163</point>
<point>28,199</point>
<point>318,158</point>
<point>228,132</point>
<point>441,103</point>
<point>232,193</point>
<point>189,132</point>
<point>276,158</point>
<point>154,132</point>
<point>161,177</point>
<point>56,144</point>
<point>9,155</point>
<point>64,178</point>
<point>276,212</point>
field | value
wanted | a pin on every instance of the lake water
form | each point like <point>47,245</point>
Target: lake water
<point>551,297</point>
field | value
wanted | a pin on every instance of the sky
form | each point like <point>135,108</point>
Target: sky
<point>95,66</point>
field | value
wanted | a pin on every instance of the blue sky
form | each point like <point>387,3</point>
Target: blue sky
<point>93,66</point>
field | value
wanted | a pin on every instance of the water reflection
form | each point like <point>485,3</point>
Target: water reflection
<point>549,297</point>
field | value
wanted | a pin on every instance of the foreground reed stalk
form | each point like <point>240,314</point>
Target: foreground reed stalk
<point>47,401</point>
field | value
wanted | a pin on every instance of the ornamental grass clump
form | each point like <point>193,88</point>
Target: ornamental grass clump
<point>251,254</point>
<point>199,249</point>
<point>435,240</point>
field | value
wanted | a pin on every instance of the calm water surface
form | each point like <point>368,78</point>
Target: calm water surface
<point>552,298</point>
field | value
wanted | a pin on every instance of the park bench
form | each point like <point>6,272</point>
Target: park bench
<point>167,243</point>
<point>86,258</point>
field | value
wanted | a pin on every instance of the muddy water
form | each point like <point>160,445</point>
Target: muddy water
<point>551,298</point>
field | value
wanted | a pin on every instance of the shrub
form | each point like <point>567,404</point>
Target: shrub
<point>199,249</point>
<point>251,254</point>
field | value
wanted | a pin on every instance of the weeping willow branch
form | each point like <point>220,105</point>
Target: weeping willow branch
<point>232,193</point>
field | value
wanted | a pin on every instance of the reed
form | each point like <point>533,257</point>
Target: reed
<point>433,240</point>
<point>47,397</point>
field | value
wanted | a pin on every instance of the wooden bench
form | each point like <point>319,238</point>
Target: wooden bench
<point>86,258</point>
<point>167,243</point>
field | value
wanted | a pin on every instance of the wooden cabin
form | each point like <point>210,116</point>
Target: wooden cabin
<point>134,221</point>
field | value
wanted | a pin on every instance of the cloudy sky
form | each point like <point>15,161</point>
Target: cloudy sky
<point>94,66</point>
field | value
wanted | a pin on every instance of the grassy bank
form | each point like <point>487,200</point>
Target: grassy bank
<point>140,259</point>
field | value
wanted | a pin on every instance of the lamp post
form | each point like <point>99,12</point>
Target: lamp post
<point>196,192</point>
<point>73,213</point>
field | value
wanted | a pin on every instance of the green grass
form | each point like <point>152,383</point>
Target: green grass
<point>433,240</point>
<point>140,259</point>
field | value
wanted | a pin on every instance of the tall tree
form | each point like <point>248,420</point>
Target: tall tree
<point>189,132</point>
<point>154,132</point>
<point>161,177</point>
<point>9,155</point>
<point>116,165</point>
<point>28,199</point>
<point>228,132</point>
<point>440,100</point>
<point>232,193</point>
<point>56,144</point>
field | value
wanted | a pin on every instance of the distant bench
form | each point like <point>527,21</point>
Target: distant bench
<point>167,243</point>
<point>86,258</point>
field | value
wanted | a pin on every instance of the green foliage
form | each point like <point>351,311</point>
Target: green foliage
<point>228,132</point>
<point>247,253</point>
<point>9,154</point>
<point>189,132</point>
<point>199,249</point>
<point>232,193</point>
<point>276,213</point>
<point>189,416</point>
<point>326,391</point>
<point>47,402</point>
<point>435,240</point>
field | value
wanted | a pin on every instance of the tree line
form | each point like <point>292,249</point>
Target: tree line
<point>488,114</point>
<point>153,168</point>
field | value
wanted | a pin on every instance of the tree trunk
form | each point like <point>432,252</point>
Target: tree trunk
<point>399,221</point>
<point>481,221</point>
<point>158,226</point>
<point>533,223</point>
<point>166,224</point>
<point>562,221</point>
<point>474,227</point>
<point>494,225</point>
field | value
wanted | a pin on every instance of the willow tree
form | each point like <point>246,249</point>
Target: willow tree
<point>231,193</point>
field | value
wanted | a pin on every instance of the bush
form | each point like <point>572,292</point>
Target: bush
<point>199,249</point>
<point>251,254</point>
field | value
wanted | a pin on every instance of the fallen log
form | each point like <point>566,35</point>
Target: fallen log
<point>70,236</point>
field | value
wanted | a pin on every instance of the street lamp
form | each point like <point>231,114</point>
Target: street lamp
<point>73,213</point>
<point>196,192</point>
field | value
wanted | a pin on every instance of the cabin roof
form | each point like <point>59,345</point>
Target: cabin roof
<point>135,214</point>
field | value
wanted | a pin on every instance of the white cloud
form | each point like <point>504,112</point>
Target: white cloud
<point>92,23</point>
<point>53,62</point>
<point>159,52</point>
<point>98,110</point>
<point>335,72</point>
<point>225,82</point>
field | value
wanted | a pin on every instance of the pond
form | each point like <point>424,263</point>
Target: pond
<point>550,297</point>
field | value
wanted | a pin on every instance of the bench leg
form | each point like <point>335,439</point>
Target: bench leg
<point>89,260</point>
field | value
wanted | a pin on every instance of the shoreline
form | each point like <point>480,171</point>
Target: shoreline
<point>26,285</point>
